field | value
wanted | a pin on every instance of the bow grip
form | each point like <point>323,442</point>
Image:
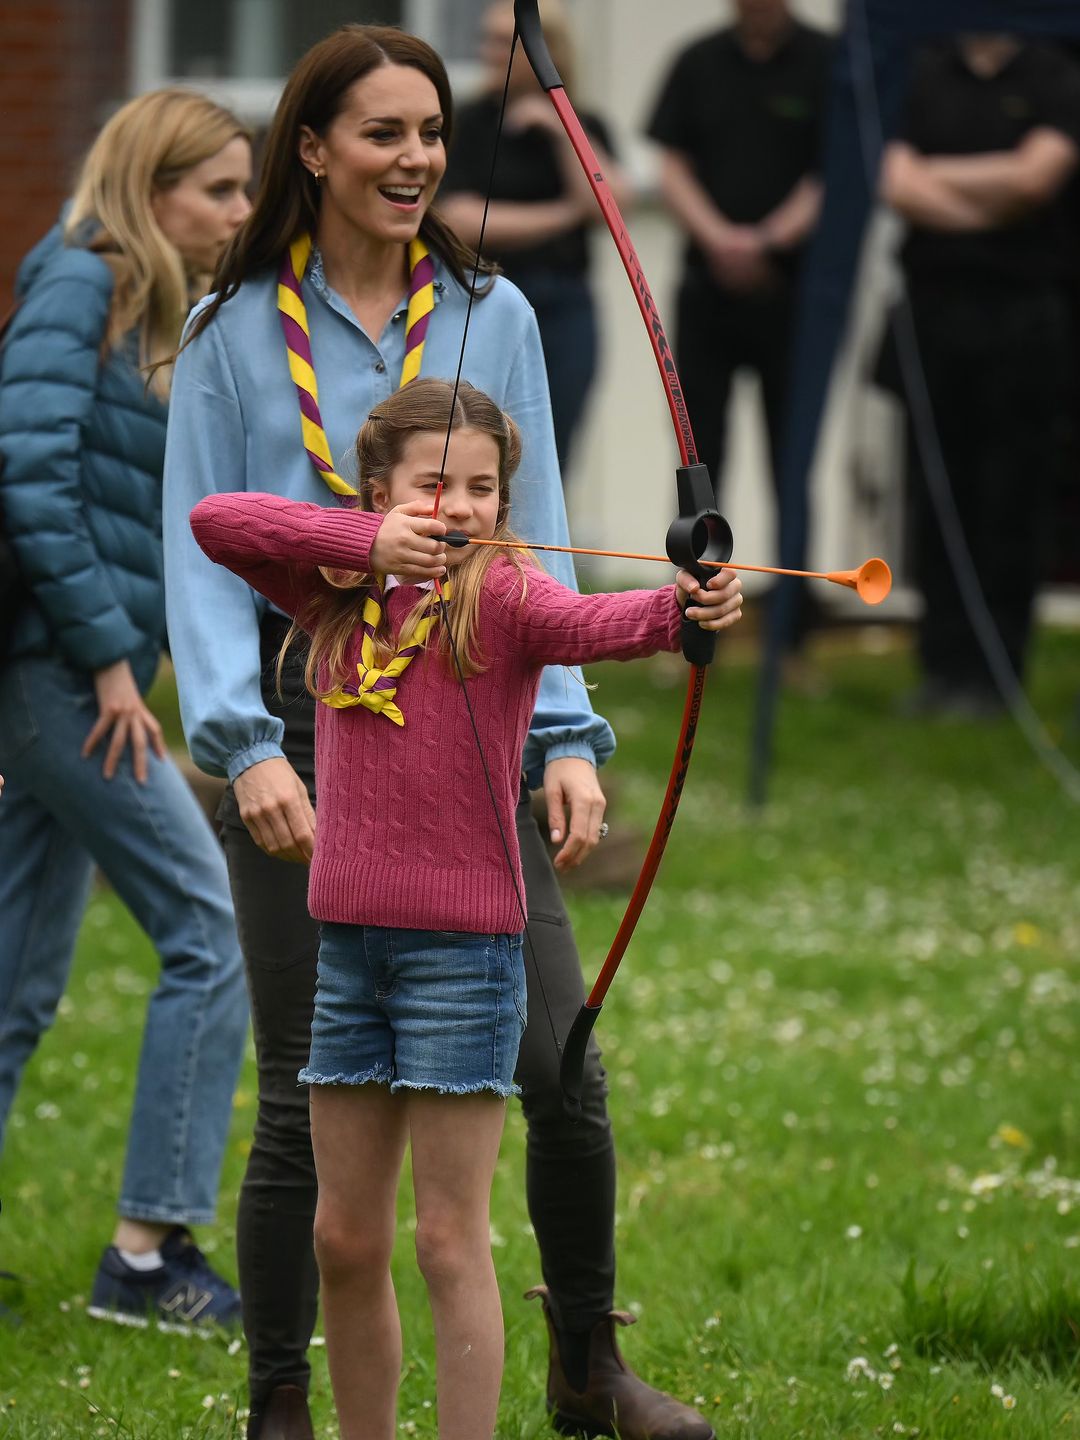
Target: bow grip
<point>699,532</point>
<point>572,1060</point>
<point>531,33</point>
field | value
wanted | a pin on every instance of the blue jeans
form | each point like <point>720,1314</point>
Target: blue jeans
<point>58,818</point>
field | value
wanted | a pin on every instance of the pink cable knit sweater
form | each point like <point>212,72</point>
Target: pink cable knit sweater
<point>406,833</point>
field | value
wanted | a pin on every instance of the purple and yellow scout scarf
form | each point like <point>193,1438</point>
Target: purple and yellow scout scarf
<point>294,322</point>
<point>375,687</point>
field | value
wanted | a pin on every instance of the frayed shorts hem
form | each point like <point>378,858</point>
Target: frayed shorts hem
<point>477,1087</point>
<point>379,1076</point>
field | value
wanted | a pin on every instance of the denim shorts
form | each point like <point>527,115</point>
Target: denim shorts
<point>417,1009</point>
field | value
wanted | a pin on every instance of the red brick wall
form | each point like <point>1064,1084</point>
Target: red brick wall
<point>63,68</point>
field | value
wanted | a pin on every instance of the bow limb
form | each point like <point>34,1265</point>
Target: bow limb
<point>698,534</point>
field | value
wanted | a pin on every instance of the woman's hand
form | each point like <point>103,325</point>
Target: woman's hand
<point>714,606</point>
<point>573,794</point>
<point>739,259</point>
<point>121,710</point>
<point>409,543</point>
<point>274,805</point>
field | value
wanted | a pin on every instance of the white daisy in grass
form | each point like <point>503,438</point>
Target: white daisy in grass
<point>859,1368</point>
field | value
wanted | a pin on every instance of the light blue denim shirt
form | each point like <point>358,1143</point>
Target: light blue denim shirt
<point>234,424</point>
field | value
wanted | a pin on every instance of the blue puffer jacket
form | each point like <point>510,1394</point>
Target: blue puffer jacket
<point>83,448</point>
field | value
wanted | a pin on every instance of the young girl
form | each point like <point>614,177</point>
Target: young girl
<point>415,877</point>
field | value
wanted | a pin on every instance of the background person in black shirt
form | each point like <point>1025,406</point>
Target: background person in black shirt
<point>738,120</point>
<point>993,137</point>
<point>542,206</point>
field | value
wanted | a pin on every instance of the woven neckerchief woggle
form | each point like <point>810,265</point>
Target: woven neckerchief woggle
<point>375,686</point>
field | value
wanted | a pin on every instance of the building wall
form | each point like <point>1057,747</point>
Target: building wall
<point>63,66</point>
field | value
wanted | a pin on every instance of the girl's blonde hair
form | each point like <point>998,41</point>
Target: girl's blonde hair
<point>146,147</point>
<point>332,617</point>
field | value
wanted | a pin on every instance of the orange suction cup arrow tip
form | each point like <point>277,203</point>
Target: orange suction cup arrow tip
<point>872,580</point>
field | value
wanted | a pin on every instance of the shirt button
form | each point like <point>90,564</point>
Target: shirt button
<point>380,368</point>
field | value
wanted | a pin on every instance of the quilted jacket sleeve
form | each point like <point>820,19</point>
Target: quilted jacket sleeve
<point>48,382</point>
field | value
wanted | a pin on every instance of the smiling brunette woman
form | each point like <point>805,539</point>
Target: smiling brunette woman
<point>344,285</point>
<point>82,441</point>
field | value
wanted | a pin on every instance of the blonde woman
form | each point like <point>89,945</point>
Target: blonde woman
<point>82,442</point>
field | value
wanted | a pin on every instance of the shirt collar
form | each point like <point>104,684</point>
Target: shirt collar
<point>392,582</point>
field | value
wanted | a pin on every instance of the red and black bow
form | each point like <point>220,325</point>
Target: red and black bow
<point>697,534</point>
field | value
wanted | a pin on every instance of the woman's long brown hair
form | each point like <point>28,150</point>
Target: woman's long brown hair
<point>332,616</point>
<point>287,203</point>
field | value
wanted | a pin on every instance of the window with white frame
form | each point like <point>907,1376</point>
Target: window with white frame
<point>257,39</point>
<point>241,50</point>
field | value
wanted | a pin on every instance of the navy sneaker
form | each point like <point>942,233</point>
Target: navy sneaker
<point>182,1292</point>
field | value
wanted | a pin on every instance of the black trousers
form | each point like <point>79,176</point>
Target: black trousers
<point>997,364</point>
<point>570,1168</point>
<point>718,333</point>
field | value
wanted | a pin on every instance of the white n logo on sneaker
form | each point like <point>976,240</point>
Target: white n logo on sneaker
<point>186,1302</point>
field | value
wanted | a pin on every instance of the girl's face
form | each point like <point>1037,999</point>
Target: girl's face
<point>470,496</point>
<point>203,210</point>
<point>383,156</point>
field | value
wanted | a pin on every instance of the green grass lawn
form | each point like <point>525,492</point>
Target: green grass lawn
<point>844,1057</point>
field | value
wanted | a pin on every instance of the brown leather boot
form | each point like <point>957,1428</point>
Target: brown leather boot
<point>615,1402</point>
<point>284,1416</point>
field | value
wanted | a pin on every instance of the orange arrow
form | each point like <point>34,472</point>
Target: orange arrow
<point>872,581</point>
